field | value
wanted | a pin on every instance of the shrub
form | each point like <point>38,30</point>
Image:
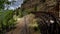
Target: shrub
<point>6,20</point>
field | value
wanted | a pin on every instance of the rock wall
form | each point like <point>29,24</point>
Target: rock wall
<point>42,5</point>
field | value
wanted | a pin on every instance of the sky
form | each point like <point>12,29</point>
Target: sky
<point>14,5</point>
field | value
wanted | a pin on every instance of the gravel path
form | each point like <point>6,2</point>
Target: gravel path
<point>22,25</point>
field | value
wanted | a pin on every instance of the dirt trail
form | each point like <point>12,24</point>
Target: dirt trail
<point>21,27</point>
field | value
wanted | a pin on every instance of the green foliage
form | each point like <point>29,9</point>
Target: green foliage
<point>6,17</point>
<point>6,20</point>
<point>20,14</point>
<point>23,13</point>
<point>2,2</point>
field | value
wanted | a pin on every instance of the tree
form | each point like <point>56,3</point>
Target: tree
<point>3,2</point>
<point>6,17</point>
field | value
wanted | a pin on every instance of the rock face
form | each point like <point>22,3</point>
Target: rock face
<point>42,5</point>
<point>47,23</point>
